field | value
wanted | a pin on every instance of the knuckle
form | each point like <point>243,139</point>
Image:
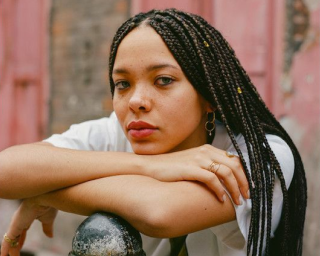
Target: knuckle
<point>197,157</point>
<point>238,165</point>
<point>204,148</point>
<point>228,173</point>
<point>212,179</point>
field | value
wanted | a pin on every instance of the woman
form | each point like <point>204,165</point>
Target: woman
<point>177,87</point>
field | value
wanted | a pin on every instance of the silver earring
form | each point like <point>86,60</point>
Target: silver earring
<point>210,125</point>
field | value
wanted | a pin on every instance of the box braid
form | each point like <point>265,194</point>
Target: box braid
<point>210,64</point>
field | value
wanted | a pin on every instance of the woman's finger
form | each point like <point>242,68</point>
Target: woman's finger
<point>48,229</point>
<point>8,249</point>
<point>4,248</point>
<point>209,179</point>
<point>47,220</point>
<point>233,162</point>
<point>225,174</point>
<point>212,177</point>
<point>14,251</point>
<point>240,177</point>
<point>22,238</point>
<point>215,185</point>
<point>238,172</point>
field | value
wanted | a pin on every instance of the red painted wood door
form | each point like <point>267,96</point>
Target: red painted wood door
<point>23,71</point>
<point>253,28</point>
<point>202,7</point>
<point>255,31</point>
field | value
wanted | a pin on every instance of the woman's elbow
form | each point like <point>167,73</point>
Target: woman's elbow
<point>157,222</point>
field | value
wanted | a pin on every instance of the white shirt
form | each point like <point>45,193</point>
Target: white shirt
<point>229,239</point>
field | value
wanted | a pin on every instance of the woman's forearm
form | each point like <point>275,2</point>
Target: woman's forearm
<point>155,208</point>
<point>34,169</point>
<point>30,170</point>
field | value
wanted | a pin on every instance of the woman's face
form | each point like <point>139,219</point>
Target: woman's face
<point>158,108</point>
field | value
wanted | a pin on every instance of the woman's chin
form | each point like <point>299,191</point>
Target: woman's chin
<point>148,149</point>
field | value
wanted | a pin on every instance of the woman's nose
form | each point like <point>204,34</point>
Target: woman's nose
<point>140,100</point>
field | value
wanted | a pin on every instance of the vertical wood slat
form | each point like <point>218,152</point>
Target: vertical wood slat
<point>24,85</point>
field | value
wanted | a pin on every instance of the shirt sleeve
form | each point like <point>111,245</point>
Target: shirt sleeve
<point>104,134</point>
<point>234,234</point>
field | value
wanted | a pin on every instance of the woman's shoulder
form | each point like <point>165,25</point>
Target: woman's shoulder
<point>234,234</point>
<point>281,151</point>
<point>97,124</point>
<point>284,156</point>
<point>104,134</point>
<point>279,147</point>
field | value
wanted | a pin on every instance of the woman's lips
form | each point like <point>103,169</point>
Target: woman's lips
<point>140,129</point>
<point>142,133</point>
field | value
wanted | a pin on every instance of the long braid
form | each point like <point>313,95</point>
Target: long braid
<point>288,221</point>
<point>213,69</point>
<point>279,173</point>
<point>202,55</point>
<point>228,73</point>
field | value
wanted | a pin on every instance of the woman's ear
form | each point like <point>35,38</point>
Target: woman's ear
<point>210,108</point>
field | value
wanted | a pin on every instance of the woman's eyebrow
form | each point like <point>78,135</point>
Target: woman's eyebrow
<point>148,69</point>
<point>160,66</point>
<point>120,71</point>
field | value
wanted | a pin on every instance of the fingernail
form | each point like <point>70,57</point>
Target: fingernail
<point>245,194</point>
<point>224,198</point>
<point>240,200</point>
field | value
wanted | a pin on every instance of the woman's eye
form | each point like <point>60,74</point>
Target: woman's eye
<point>121,85</point>
<point>164,80</point>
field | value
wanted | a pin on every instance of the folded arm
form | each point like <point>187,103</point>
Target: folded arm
<point>155,208</point>
<point>34,169</point>
<point>151,192</point>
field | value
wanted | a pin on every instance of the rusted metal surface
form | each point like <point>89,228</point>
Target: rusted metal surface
<point>104,234</point>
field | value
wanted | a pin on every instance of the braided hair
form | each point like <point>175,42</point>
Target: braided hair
<point>210,64</point>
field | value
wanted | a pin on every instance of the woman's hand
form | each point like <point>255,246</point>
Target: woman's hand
<point>206,164</point>
<point>22,219</point>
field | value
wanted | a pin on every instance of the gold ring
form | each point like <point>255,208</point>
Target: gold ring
<point>10,241</point>
<point>229,154</point>
<point>214,167</point>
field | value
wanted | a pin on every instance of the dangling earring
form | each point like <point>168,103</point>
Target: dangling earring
<point>210,122</point>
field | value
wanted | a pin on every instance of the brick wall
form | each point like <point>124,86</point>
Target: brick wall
<point>80,36</point>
